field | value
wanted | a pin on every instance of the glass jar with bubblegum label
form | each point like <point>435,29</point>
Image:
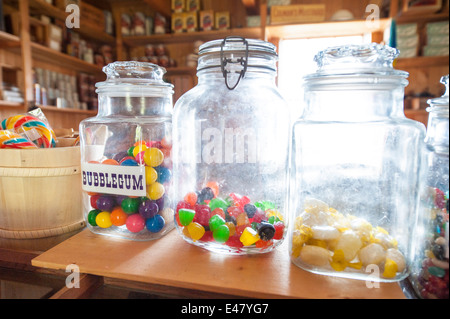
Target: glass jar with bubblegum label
<point>126,154</point>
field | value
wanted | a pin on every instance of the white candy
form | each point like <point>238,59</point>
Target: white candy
<point>350,244</point>
<point>372,254</point>
<point>314,206</point>
<point>325,232</point>
<point>396,256</point>
<point>315,255</point>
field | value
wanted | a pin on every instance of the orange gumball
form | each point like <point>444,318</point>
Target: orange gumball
<point>118,216</point>
<point>110,161</point>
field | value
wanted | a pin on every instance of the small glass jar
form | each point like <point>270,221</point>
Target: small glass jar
<point>429,270</point>
<point>355,167</point>
<point>231,149</point>
<point>126,154</point>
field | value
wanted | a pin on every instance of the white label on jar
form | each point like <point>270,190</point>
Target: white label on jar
<point>113,179</point>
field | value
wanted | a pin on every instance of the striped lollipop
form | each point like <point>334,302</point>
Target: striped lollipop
<point>31,126</point>
<point>10,139</point>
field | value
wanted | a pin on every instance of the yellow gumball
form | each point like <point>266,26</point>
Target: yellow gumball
<point>150,175</point>
<point>155,191</point>
<point>139,148</point>
<point>153,157</point>
<point>103,220</point>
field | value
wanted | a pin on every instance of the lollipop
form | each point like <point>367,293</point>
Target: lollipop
<point>13,140</point>
<point>45,137</point>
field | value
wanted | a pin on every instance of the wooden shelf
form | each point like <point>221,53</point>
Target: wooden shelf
<point>49,108</point>
<point>46,54</point>
<point>321,29</point>
<point>417,17</point>
<point>421,62</point>
<point>191,36</point>
<point>9,40</point>
<point>87,30</point>
<point>8,104</point>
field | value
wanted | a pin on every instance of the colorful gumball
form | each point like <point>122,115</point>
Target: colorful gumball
<point>153,157</point>
<point>135,223</point>
<point>103,220</point>
<point>118,216</point>
<point>155,224</point>
<point>130,205</point>
<point>92,215</point>
<point>155,191</point>
<point>150,175</point>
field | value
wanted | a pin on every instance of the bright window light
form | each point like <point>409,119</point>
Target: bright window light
<point>296,59</point>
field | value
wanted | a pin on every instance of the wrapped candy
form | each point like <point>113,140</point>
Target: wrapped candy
<point>10,139</point>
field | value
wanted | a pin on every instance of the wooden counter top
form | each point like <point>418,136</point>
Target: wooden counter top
<point>173,263</point>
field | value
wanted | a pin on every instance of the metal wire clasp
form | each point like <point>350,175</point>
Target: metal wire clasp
<point>242,60</point>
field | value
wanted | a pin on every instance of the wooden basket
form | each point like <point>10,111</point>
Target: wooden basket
<point>40,192</point>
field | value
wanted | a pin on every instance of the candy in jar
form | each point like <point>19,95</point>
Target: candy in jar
<point>231,150</point>
<point>355,168</point>
<point>126,154</point>
<point>429,271</point>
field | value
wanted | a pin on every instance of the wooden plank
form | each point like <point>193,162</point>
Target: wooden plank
<point>172,262</point>
<point>26,52</point>
<point>88,284</point>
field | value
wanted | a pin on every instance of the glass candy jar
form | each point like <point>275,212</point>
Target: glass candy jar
<point>355,167</point>
<point>231,145</point>
<point>429,271</point>
<point>125,154</point>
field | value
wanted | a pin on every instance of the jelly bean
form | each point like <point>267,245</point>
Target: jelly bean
<point>218,202</point>
<point>191,198</point>
<point>155,191</point>
<point>155,224</point>
<point>221,233</point>
<point>135,223</point>
<point>250,210</point>
<point>140,147</point>
<point>183,204</point>
<point>202,214</point>
<point>196,231</point>
<point>259,216</point>
<point>118,216</point>
<point>279,230</point>
<point>150,175</point>
<point>266,231</point>
<point>263,244</point>
<point>92,215</point>
<point>186,216</point>
<point>106,203</point>
<point>164,174</point>
<point>153,157</point>
<point>215,221</point>
<point>208,236</point>
<point>148,208</point>
<point>205,194</point>
<point>234,241</point>
<point>129,162</point>
<point>249,236</point>
<point>110,161</point>
<point>103,220</point>
<point>231,227</point>
<point>265,205</point>
<point>214,187</point>
<point>218,211</point>
<point>130,205</point>
<point>234,211</point>
<point>242,219</point>
<point>390,268</point>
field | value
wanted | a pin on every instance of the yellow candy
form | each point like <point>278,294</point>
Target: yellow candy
<point>140,147</point>
<point>155,191</point>
<point>231,227</point>
<point>338,261</point>
<point>274,212</point>
<point>103,220</point>
<point>390,268</point>
<point>249,236</point>
<point>195,230</point>
<point>150,175</point>
<point>153,156</point>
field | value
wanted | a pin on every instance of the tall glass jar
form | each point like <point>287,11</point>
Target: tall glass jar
<point>355,167</point>
<point>126,154</point>
<point>429,271</point>
<point>231,145</point>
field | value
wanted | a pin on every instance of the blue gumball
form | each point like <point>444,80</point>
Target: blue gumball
<point>164,174</point>
<point>155,223</point>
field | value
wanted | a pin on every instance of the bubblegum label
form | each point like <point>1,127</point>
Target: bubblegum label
<point>113,179</point>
